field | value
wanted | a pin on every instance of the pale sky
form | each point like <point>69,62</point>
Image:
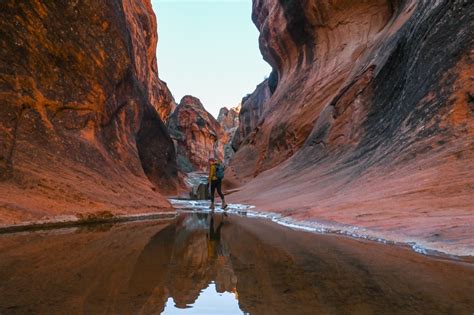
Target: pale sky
<point>209,49</point>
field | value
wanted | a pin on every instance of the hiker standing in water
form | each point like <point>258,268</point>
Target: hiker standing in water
<point>216,174</point>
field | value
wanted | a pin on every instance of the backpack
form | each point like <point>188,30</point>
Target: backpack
<point>220,171</point>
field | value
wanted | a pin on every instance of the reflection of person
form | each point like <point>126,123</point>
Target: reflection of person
<point>225,280</point>
<point>214,239</point>
<point>216,174</point>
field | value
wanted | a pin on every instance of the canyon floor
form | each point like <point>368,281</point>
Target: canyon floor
<point>430,217</point>
<point>221,263</point>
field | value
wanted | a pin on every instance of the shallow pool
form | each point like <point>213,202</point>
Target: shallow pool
<point>203,263</point>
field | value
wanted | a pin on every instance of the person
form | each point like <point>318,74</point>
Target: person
<point>216,174</point>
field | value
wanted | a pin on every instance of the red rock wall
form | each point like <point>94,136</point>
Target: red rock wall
<point>196,135</point>
<point>142,25</point>
<point>371,118</point>
<point>78,116</point>
<point>252,108</point>
<point>229,118</point>
<point>229,121</point>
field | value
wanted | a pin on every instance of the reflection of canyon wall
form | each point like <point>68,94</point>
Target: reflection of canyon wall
<point>281,271</point>
<point>370,118</point>
<point>134,268</point>
<point>80,98</point>
<point>126,269</point>
<point>196,135</point>
<point>229,121</point>
<point>56,276</point>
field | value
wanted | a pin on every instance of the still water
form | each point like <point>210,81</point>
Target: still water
<point>202,263</point>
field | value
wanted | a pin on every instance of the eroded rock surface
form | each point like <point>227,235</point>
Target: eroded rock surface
<point>80,98</point>
<point>253,108</point>
<point>196,135</point>
<point>229,121</point>
<point>229,118</point>
<point>370,121</point>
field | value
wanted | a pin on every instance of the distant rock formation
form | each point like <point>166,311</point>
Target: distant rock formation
<point>79,115</point>
<point>229,121</point>
<point>370,116</point>
<point>196,135</point>
<point>229,118</point>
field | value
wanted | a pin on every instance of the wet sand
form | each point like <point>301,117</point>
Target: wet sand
<point>136,267</point>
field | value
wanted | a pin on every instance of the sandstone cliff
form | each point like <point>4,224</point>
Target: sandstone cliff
<point>229,121</point>
<point>229,118</point>
<point>370,119</point>
<point>196,135</point>
<point>80,98</point>
<point>252,108</point>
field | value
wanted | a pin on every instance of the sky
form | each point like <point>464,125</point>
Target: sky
<point>209,49</point>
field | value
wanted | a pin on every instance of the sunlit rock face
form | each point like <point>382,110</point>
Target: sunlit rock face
<point>142,26</point>
<point>229,118</point>
<point>79,115</point>
<point>196,135</point>
<point>370,119</point>
<point>229,121</point>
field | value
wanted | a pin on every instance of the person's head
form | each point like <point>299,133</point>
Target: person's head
<point>212,160</point>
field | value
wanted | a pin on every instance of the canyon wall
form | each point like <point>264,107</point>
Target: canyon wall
<point>370,117</point>
<point>79,115</point>
<point>252,110</point>
<point>196,135</point>
<point>229,121</point>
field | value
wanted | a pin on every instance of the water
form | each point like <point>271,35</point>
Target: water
<point>201,263</point>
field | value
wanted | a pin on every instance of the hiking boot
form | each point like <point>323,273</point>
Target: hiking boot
<point>212,207</point>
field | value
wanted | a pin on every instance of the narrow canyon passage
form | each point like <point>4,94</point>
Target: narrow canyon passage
<point>343,143</point>
<point>221,264</point>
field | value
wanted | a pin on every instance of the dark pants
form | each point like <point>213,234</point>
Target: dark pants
<point>216,184</point>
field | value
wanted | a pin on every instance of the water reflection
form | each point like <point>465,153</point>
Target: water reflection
<point>179,262</point>
<point>210,263</point>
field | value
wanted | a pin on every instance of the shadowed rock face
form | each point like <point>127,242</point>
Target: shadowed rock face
<point>371,120</point>
<point>252,109</point>
<point>80,98</point>
<point>250,119</point>
<point>196,135</point>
